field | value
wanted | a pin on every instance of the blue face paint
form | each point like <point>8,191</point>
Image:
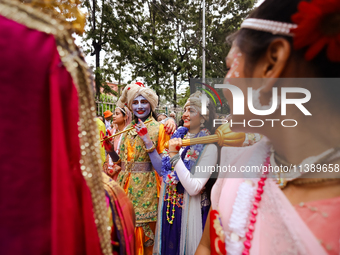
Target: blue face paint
<point>141,107</point>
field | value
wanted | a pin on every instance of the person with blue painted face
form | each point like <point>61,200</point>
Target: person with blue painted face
<point>140,156</point>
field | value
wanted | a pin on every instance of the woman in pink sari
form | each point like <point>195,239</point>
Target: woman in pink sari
<point>292,210</point>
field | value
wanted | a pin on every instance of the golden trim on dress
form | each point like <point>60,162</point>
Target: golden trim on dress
<point>90,156</point>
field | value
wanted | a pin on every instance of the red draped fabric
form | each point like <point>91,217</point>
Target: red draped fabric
<point>45,204</point>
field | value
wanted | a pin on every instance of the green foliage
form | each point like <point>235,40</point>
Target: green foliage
<point>105,102</point>
<point>183,97</point>
<point>162,39</point>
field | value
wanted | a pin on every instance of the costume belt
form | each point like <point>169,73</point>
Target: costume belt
<point>137,167</point>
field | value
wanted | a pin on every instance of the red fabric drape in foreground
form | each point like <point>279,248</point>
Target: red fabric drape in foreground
<point>45,204</point>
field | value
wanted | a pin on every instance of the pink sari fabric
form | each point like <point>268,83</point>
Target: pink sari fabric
<point>322,217</point>
<point>279,228</point>
<point>46,206</point>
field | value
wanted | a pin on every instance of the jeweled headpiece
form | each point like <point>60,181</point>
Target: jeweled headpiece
<point>67,12</point>
<point>269,26</point>
<point>315,26</point>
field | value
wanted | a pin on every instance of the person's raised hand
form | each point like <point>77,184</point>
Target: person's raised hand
<point>142,131</point>
<point>107,143</point>
<point>170,126</point>
<point>175,145</point>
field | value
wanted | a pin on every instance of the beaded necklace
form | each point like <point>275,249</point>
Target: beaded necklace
<point>189,156</point>
<point>232,244</point>
<point>239,228</point>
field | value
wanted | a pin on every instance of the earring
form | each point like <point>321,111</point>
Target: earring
<point>202,123</point>
<point>257,104</point>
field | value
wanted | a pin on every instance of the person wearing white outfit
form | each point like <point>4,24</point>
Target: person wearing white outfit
<point>184,202</point>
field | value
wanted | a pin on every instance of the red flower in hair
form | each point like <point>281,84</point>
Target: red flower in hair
<point>318,27</point>
<point>140,84</point>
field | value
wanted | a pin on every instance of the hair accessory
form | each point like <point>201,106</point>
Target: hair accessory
<point>318,28</point>
<point>121,109</point>
<point>140,84</point>
<point>134,90</point>
<point>315,26</point>
<point>195,102</point>
<point>270,26</point>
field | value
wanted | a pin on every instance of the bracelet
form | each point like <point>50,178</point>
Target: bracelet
<point>117,162</point>
<point>172,151</point>
<point>153,147</point>
<point>174,160</point>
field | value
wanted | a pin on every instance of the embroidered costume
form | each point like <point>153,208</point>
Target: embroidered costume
<point>138,177</point>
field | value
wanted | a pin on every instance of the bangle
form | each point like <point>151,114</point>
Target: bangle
<point>173,151</point>
<point>117,162</point>
<point>153,147</point>
<point>174,160</point>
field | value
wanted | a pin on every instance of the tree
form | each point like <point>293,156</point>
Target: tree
<point>101,26</point>
<point>162,39</point>
<point>183,97</point>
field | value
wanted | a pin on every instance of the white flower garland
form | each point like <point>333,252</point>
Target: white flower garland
<point>239,218</point>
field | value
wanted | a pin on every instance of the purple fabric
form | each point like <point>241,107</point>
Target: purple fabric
<point>171,233</point>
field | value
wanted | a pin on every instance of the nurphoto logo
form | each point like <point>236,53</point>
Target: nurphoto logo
<point>238,104</point>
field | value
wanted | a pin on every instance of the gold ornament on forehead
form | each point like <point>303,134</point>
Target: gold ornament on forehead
<point>65,11</point>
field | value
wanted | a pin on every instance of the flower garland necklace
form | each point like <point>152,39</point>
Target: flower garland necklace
<point>189,156</point>
<point>247,199</point>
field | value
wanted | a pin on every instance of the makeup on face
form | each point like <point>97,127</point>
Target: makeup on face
<point>118,116</point>
<point>190,116</point>
<point>141,107</point>
<point>233,61</point>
